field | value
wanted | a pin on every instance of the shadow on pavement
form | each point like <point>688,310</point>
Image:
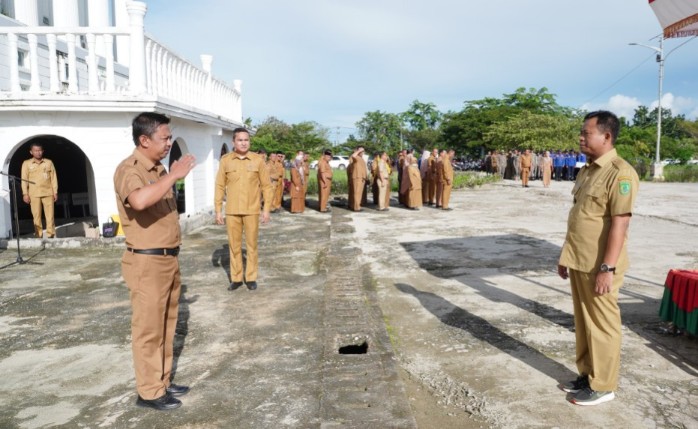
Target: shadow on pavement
<point>520,255</point>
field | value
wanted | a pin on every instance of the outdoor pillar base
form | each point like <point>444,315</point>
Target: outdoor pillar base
<point>657,172</point>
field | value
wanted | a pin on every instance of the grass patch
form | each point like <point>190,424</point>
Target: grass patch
<point>681,173</point>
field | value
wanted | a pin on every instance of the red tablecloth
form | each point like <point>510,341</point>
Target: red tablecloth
<point>680,302</point>
<point>684,288</point>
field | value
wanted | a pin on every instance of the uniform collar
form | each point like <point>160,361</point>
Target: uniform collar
<point>248,155</point>
<point>147,163</point>
<point>606,158</point>
<point>37,161</point>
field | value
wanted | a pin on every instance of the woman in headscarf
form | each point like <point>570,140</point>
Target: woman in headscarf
<point>412,184</point>
<point>297,185</point>
<point>547,167</point>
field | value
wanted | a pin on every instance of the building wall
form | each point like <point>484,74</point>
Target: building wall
<point>105,139</point>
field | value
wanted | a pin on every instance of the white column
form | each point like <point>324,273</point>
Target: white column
<point>92,74</point>
<point>109,49</point>
<point>72,64</point>
<point>121,20</point>
<point>98,16</point>
<point>27,11</point>
<point>136,74</point>
<point>65,14</point>
<point>14,63</point>
<point>52,63</point>
<point>34,63</point>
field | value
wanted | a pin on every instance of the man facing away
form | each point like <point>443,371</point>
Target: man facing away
<point>148,212</point>
<point>594,257</point>
<point>242,178</point>
<point>42,192</point>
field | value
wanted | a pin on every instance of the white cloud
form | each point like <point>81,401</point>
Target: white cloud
<point>621,105</point>
<point>678,105</point>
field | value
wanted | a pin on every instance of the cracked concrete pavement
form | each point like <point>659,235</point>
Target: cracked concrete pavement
<point>464,321</point>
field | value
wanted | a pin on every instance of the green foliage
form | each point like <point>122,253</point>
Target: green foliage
<point>536,131</point>
<point>471,179</point>
<point>681,173</point>
<point>275,135</point>
<point>381,131</point>
<point>422,116</point>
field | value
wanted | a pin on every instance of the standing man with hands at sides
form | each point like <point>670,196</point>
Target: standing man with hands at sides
<point>594,257</point>
<point>242,178</point>
<point>324,180</point>
<point>42,192</point>
<point>148,212</point>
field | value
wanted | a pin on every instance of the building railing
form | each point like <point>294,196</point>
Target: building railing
<point>80,61</point>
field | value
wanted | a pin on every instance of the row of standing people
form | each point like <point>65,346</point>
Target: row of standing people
<point>562,165</point>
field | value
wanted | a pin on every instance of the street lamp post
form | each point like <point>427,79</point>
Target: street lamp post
<point>658,168</point>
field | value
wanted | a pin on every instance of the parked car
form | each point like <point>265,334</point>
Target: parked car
<point>339,161</point>
<point>313,165</point>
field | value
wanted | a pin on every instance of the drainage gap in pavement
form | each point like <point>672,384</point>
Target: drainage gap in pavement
<point>354,349</point>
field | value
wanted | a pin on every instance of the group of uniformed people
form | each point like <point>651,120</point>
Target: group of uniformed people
<point>563,165</point>
<point>593,256</point>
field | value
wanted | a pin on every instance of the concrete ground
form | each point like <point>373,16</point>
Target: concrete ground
<point>404,319</point>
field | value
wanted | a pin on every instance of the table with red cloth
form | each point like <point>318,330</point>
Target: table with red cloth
<point>680,301</point>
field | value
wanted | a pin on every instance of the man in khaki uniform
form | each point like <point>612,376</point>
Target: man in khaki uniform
<point>594,257</point>
<point>306,172</point>
<point>149,217</point>
<point>432,176</point>
<point>525,162</point>
<point>274,178</point>
<point>281,173</point>
<point>446,178</point>
<point>358,175</point>
<point>42,192</point>
<point>242,178</point>
<point>324,180</point>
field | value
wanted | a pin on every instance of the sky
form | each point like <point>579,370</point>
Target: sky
<point>331,61</point>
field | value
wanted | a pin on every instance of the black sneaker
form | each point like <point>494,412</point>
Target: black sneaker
<point>234,285</point>
<point>576,385</point>
<point>589,396</point>
<point>165,402</point>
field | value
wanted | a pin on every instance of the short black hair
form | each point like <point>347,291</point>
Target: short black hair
<point>605,121</point>
<point>238,130</point>
<point>327,152</point>
<point>146,123</point>
<point>36,144</point>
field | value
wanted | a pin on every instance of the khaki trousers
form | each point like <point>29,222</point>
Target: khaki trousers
<point>432,191</point>
<point>323,196</point>
<point>154,285</point>
<point>445,195</point>
<point>36,204</point>
<point>597,329</point>
<point>525,172</point>
<point>425,190</point>
<point>278,194</point>
<point>358,195</point>
<point>235,225</point>
<point>382,191</point>
<point>439,192</point>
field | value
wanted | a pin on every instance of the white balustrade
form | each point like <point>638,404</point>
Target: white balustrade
<point>53,63</point>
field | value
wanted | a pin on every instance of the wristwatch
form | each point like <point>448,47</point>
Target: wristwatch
<point>604,268</point>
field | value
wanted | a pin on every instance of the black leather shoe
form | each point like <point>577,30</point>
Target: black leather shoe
<point>251,285</point>
<point>165,402</point>
<point>177,390</point>
<point>234,285</point>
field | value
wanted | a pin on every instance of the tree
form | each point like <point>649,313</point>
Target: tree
<point>421,116</point>
<point>536,131</point>
<point>381,131</point>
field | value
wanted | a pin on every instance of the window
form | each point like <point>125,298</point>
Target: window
<point>7,8</point>
<point>23,59</point>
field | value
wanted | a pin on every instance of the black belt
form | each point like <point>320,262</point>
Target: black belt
<point>164,252</point>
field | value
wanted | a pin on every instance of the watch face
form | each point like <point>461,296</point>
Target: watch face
<point>603,268</point>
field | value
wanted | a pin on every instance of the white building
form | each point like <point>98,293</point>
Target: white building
<point>73,74</point>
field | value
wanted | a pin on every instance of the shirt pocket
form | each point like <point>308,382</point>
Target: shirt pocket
<point>252,171</point>
<point>232,173</point>
<point>596,199</point>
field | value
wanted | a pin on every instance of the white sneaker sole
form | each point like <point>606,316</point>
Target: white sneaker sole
<point>601,400</point>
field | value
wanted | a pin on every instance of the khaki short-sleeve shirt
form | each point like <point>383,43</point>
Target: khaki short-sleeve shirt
<point>158,225</point>
<point>43,174</point>
<point>605,188</point>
